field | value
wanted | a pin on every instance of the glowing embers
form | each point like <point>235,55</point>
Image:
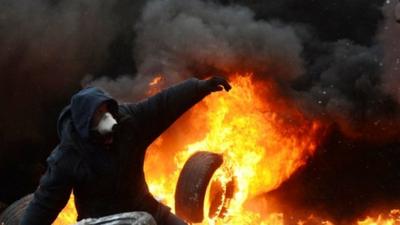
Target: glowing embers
<point>393,218</point>
<point>220,192</point>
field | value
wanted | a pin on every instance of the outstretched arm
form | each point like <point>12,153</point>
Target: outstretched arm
<point>155,114</point>
<point>50,197</point>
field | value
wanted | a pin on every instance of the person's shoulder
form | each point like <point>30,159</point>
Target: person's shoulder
<point>127,109</point>
<point>63,156</point>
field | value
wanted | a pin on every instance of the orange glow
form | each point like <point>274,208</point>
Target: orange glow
<point>263,141</point>
<point>393,218</point>
<point>68,214</point>
<point>156,80</point>
<point>155,85</point>
<point>263,138</point>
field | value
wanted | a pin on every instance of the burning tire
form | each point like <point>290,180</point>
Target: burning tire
<point>196,184</point>
<point>13,214</point>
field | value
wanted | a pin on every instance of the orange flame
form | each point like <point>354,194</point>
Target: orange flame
<point>393,218</point>
<point>263,139</point>
<point>155,85</point>
<point>68,214</point>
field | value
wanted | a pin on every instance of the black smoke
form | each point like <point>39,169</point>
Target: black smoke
<point>355,20</point>
<point>345,181</point>
<point>47,47</point>
<point>327,57</point>
<point>338,77</point>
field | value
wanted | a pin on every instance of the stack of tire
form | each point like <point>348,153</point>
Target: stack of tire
<point>189,196</point>
<point>13,213</point>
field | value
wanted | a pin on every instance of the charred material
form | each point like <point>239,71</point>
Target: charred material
<point>192,185</point>
<point>12,214</point>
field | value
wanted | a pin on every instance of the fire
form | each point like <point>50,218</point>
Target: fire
<point>68,214</point>
<point>393,218</point>
<point>263,140</point>
<point>154,85</point>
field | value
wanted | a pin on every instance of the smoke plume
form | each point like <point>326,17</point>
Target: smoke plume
<point>47,47</point>
<point>391,44</point>
<point>179,39</point>
<point>328,57</point>
<point>336,60</point>
<point>335,77</point>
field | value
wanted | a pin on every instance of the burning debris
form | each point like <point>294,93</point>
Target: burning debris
<point>236,129</point>
<point>392,218</point>
<point>263,142</point>
<point>192,186</point>
<point>299,69</point>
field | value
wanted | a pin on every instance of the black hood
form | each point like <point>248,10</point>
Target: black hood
<point>82,108</point>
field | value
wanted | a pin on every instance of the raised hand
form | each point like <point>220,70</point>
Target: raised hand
<point>216,83</point>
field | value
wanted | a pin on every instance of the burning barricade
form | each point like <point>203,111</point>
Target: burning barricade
<point>254,141</point>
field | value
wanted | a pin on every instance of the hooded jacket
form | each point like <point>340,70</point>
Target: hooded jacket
<point>111,180</point>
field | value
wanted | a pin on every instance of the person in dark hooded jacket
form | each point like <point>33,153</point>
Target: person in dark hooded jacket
<point>101,153</point>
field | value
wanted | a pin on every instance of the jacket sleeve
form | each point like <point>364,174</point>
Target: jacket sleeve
<point>50,197</point>
<point>155,114</point>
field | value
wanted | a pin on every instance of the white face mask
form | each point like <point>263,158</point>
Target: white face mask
<point>106,124</point>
